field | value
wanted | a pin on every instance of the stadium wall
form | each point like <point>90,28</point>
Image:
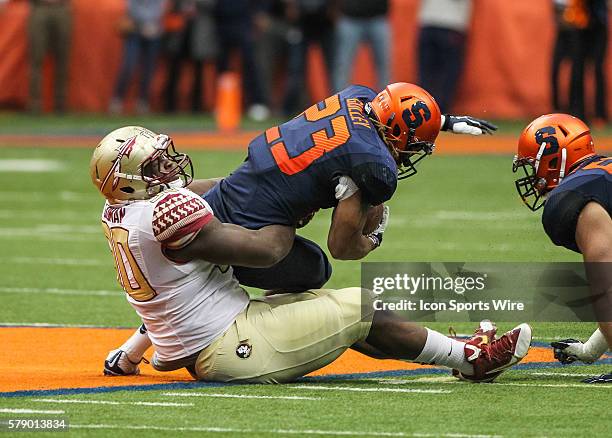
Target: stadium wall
<point>506,75</point>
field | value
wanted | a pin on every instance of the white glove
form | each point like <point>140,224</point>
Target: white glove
<point>570,350</point>
<point>376,236</point>
<point>466,125</point>
<point>345,188</point>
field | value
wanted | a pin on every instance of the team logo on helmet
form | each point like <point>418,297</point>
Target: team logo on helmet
<point>549,149</point>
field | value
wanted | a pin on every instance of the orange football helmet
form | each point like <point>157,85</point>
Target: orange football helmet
<point>548,149</point>
<point>409,120</point>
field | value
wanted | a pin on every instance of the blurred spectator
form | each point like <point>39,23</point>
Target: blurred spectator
<point>49,29</point>
<point>316,23</point>
<point>588,20</point>
<point>194,40</point>
<point>274,32</point>
<point>561,52</point>
<point>597,41</point>
<point>141,29</point>
<point>234,19</point>
<point>362,20</point>
<point>444,24</point>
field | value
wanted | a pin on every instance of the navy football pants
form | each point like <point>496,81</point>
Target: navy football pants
<point>305,267</point>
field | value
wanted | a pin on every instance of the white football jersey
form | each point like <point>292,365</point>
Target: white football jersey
<point>184,306</point>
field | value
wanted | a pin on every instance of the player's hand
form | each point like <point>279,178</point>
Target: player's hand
<point>376,236</point>
<point>117,363</point>
<point>567,351</point>
<point>604,378</point>
<point>467,125</point>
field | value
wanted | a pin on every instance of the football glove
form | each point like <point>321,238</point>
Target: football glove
<point>604,378</point>
<point>570,350</point>
<point>376,236</point>
<point>467,125</point>
<point>118,363</point>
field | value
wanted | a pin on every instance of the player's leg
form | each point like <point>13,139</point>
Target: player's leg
<point>606,330</point>
<point>305,267</point>
<point>283,337</point>
<point>474,360</point>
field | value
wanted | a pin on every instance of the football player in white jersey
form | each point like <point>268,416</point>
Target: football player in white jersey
<point>173,261</point>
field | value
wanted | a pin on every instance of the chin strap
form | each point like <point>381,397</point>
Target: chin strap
<point>563,161</point>
<point>539,156</point>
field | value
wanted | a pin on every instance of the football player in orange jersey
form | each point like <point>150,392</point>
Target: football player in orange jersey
<point>563,173</point>
<point>347,153</point>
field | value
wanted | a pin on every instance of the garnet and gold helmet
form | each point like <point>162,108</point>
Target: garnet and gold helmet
<point>548,148</point>
<point>408,120</point>
<point>133,163</point>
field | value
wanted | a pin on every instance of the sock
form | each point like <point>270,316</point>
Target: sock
<point>596,346</point>
<point>442,350</point>
<point>136,346</point>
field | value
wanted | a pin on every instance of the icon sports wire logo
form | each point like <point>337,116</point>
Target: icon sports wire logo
<point>414,284</point>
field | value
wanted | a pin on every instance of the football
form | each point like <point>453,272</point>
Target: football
<point>375,215</point>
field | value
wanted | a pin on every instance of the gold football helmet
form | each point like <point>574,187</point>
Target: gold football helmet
<point>134,163</point>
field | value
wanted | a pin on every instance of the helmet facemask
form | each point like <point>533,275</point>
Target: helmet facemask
<point>415,151</point>
<point>531,188</point>
<point>161,169</point>
<point>406,158</point>
<point>164,167</point>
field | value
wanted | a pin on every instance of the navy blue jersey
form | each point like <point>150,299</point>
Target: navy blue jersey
<point>292,169</point>
<point>592,181</point>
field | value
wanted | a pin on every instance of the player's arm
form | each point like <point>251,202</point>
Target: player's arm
<point>466,125</point>
<point>594,239</point>
<point>228,244</point>
<point>345,239</point>
<point>201,186</point>
<point>185,226</point>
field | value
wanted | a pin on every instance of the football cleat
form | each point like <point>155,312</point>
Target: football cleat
<point>117,363</point>
<point>604,378</point>
<point>492,358</point>
<point>485,334</point>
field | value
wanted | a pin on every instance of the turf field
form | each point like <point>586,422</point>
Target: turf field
<point>56,270</point>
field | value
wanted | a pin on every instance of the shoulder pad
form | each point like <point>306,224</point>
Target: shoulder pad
<point>358,91</point>
<point>179,213</point>
<point>560,217</point>
<point>376,181</point>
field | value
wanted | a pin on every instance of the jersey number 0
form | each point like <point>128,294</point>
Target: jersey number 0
<point>129,274</point>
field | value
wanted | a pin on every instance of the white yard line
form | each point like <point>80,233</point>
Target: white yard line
<point>108,402</point>
<point>25,165</point>
<point>55,291</point>
<point>277,431</point>
<point>51,325</point>
<point>30,411</point>
<point>65,195</point>
<point>557,385</point>
<point>471,215</point>
<point>563,374</point>
<point>56,261</point>
<point>351,388</point>
<point>22,234</point>
<point>433,379</point>
<point>266,397</point>
<point>528,385</point>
